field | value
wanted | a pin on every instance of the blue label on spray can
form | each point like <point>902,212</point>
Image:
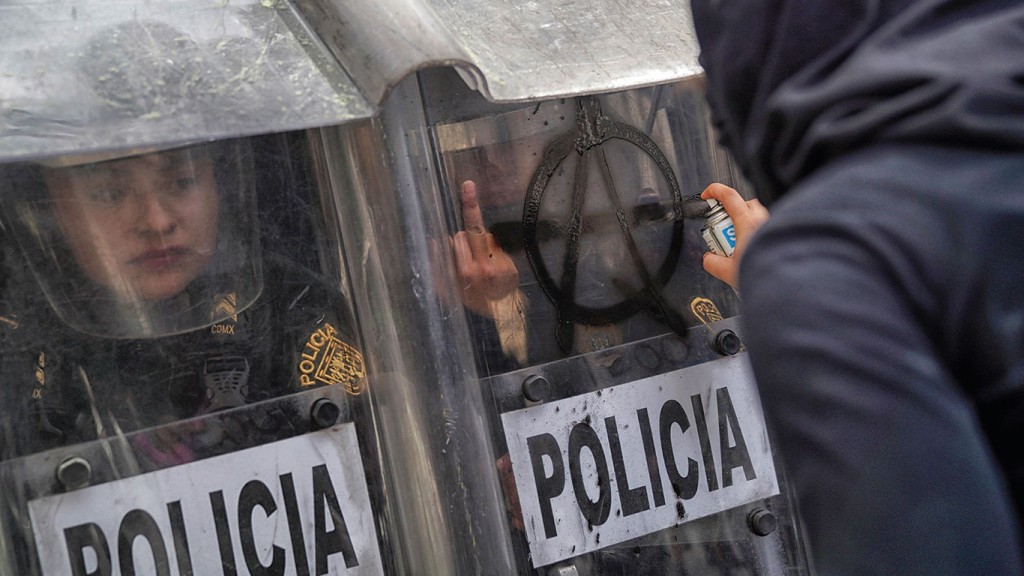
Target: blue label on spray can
<point>729,233</point>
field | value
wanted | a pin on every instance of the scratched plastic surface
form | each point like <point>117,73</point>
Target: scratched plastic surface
<point>605,254</point>
<point>250,68</point>
<point>156,384</point>
<point>591,198</point>
<point>372,208</point>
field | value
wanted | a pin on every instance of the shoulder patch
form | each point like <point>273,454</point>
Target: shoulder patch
<point>40,374</point>
<point>225,307</point>
<point>705,310</point>
<point>327,360</point>
<point>224,310</point>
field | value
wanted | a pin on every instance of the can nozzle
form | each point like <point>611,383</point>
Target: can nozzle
<point>719,232</point>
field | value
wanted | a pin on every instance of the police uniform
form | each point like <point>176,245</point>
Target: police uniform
<point>68,385</point>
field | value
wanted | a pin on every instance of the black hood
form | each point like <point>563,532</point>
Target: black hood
<point>794,83</point>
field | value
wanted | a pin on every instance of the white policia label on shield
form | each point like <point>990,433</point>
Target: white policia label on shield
<point>298,507</point>
<point>602,468</point>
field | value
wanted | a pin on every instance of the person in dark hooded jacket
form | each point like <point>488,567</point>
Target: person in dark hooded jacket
<point>884,299</point>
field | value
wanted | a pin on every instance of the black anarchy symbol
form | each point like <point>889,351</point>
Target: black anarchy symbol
<point>592,131</point>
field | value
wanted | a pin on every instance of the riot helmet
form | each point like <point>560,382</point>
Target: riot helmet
<point>142,242</point>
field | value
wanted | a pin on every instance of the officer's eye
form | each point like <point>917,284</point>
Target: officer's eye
<point>182,182</point>
<point>106,195</point>
<point>187,182</point>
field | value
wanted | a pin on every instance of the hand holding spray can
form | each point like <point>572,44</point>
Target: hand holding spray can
<point>719,231</point>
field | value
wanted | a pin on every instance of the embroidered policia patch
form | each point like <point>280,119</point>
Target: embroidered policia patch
<point>327,360</point>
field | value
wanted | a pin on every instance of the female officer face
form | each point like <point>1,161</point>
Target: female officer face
<point>143,227</point>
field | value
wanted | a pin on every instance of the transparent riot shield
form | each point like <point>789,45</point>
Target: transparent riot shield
<point>431,422</point>
<point>183,379</point>
<point>627,427</point>
<point>87,75</point>
<point>430,334</point>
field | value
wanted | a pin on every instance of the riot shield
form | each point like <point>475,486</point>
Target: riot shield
<point>195,402</point>
<point>626,419</point>
<point>279,298</point>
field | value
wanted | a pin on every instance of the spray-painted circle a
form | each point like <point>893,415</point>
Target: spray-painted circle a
<point>562,295</point>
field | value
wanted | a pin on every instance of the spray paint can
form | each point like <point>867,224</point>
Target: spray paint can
<point>719,232</point>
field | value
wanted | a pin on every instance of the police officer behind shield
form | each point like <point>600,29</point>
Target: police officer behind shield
<point>153,304</point>
<point>137,294</point>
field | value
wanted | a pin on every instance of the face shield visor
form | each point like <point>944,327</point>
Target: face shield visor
<point>148,244</point>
